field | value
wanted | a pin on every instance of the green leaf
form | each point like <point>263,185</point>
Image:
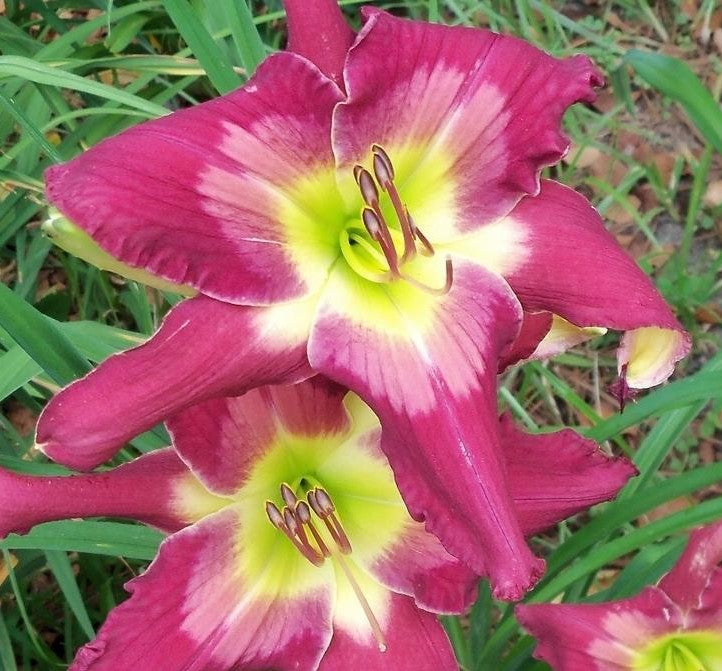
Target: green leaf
<point>41,338</point>
<point>125,32</point>
<point>245,34</point>
<point>40,73</point>
<point>675,79</point>
<point>7,657</point>
<point>703,385</point>
<point>29,127</point>
<point>18,369</point>
<point>62,569</point>
<point>218,69</point>
<point>101,538</point>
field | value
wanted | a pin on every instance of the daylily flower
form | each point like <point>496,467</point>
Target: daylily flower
<point>674,626</point>
<point>385,226</point>
<point>292,547</point>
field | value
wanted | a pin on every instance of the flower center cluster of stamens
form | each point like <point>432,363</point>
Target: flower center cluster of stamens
<point>397,246</point>
<point>296,520</point>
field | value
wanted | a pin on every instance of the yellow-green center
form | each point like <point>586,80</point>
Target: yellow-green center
<point>682,651</point>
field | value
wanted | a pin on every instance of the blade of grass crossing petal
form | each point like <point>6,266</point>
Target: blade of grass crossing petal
<point>8,104</point>
<point>218,69</point>
<point>63,571</point>
<point>675,79</point>
<point>40,337</point>
<point>7,656</point>
<point>27,69</point>
<point>245,34</point>
<point>100,538</point>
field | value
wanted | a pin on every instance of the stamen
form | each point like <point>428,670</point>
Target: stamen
<point>379,231</point>
<point>373,622</point>
<point>274,514</point>
<point>290,519</point>
<point>287,522</point>
<point>366,184</point>
<point>289,498</point>
<point>384,171</point>
<point>304,515</point>
<point>324,501</point>
<point>381,158</point>
<point>428,247</point>
<point>323,507</point>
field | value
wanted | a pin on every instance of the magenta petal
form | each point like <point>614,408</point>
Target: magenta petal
<point>418,565</point>
<point>431,379</point>
<point>415,641</point>
<point>204,348</point>
<point>143,489</point>
<point>201,197</point>
<point>556,475</point>
<point>598,637</point>
<point>533,329</point>
<point>223,439</point>
<point>317,30</point>
<point>572,266</point>
<point>191,610</point>
<point>490,104</point>
<point>693,573</point>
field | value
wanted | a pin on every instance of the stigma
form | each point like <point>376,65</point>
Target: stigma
<point>413,241</point>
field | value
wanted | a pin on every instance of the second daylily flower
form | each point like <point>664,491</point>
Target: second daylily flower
<point>290,546</point>
<point>385,226</point>
<point>674,626</point>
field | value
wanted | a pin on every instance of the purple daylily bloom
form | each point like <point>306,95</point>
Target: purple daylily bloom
<point>674,626</point>
<point>374,214</point>
<point>290,547</point>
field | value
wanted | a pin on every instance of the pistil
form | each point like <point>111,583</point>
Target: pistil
<point>379,231</point>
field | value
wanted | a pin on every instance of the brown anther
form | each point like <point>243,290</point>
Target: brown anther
<point>371,222</point>
<point>356,169</point>
<point>289,498</point>
<point>385,170</point>
<point>383,175</point>
<point>367,186</point>
<point>379,231</point>
<point>274,515</point>
<point>290,519</point>
<point>324,501</point>
<point>311,497</point>
<point>303,512</point>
